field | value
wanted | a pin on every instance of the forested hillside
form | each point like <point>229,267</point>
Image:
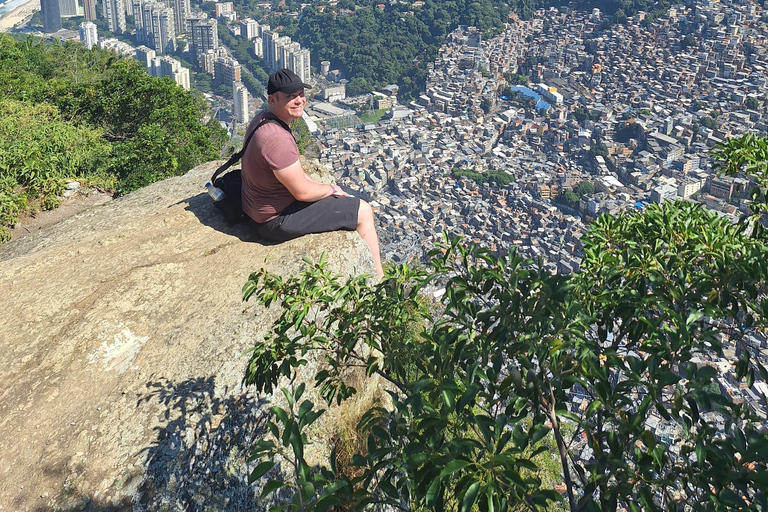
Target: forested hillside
<point>379,43</point>
<point>68,112</point>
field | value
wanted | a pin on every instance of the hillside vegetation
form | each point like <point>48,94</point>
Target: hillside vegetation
<point>67,112</point>
<point>379,43</point>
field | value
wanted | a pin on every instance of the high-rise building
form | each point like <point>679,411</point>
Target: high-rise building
<point>49,9</point>
<point>160,29</point>
<point>181,11</point>
<point>240,93</point>
<point>299,64</point>
<point>268,37</point>
<point>277,52</point>
<point>223,8</point>
<point>69,8</point>
<point>88,34</point>
<point>286,50</point>
<point>154,67</point>
<point>226,70</point>
<point>258,47</point>
<point>203,35</point>
<point>89,9</point>
<point>138,19</point>
<point>249,28</point>
<point>115,13</point>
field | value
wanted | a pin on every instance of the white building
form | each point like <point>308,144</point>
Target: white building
<point>145,56</point>
<point>172,68</point>
<point>268,36</point>
<point>249,28</point>
<point>240,93</point>
<point>88,34</point>
<point>299,64</point>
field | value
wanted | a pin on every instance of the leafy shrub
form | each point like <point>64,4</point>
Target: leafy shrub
<point>479,385</point>
<point>70,112</point>
<point>38,150</point>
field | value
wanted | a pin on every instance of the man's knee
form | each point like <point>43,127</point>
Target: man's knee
<point>364,212</point>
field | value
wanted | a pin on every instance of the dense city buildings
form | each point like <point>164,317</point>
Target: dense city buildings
<point>159,27</point>
<point>204,37</point>
<point>182,9</point>
<point>226,70</point>
<point>624,108</point>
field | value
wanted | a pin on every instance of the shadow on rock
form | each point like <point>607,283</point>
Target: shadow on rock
<point>202,206</point>
<point>198,460</point>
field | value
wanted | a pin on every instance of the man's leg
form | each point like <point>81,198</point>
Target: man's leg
<point>329,214</point>
<point>367,231</point>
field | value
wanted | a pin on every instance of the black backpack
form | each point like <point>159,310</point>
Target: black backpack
<point>231,183</point>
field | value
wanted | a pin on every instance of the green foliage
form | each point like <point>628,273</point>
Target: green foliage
<point>752,103</point>
<point>516,79</point>
<point>688,41</point>
<point>599,149</point>
<point>373,117</point>
<point>582,114</point>
<point>571,198</point>
<point>585,187</point>
<point>71,112</point>
<point>709,122</point>
<point>38,150</point>
<point>501,178</point>
<point>310,491</point>
<point>480,380</point>
<point>486,104</point>
<point>748,156</point>
<point>377,47</point>
<point>303,137</point>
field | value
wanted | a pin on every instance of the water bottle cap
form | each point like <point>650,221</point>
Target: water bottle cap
<point>208,184</point>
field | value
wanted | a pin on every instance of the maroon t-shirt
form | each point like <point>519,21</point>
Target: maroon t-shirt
<point>271,148</point>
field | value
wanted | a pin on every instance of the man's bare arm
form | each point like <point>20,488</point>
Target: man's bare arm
<point>301,186</point>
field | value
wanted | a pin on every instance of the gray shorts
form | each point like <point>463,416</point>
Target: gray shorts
<point>300,218</point>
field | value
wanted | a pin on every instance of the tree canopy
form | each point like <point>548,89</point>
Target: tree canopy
<point>71,112</point>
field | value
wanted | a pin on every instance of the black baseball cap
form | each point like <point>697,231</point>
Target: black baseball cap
<point>285,80</point>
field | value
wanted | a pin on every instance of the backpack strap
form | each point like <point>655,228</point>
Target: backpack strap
<point>268,118</point>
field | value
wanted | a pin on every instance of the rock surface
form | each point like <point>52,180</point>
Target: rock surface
<point>123,340</point>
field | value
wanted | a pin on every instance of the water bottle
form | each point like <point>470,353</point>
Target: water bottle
<point>215,192</point>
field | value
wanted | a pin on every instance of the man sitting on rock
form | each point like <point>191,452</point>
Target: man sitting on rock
<point>278,195</point>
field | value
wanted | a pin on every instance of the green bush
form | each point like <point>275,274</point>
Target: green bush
<point>489,372</point>
<point>70,112</point>
<point>38,151</point>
